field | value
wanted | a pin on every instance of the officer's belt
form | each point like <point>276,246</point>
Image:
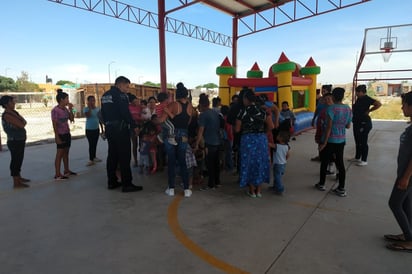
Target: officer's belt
<point>113,123</point>
<point>119,125</point>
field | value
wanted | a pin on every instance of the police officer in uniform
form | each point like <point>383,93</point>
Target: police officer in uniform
<point>118,122</point>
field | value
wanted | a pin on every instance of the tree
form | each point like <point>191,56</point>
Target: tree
<point>23,83</point>
<point>210,85</point>
<point>151,84</point>
<point>7,84</point>
<point>65,82</point>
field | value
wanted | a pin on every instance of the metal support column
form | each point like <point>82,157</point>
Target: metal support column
<point>162,45</point>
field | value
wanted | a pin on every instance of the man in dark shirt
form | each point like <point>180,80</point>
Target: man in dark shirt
<point>209,129</point>
<point>118,122</point>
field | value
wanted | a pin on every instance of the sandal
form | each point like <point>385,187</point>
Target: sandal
<point>60,177</point>
<point>21,185</point>
<point>399,247</point>
<point>68,173</point>
<point>393,237</point>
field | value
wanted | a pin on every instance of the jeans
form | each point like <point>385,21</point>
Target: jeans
<point>278,171</point>
<point>213,165</point>
<point>326,155</point>
<point>92,137</point>
<point>400,203</point>
<point>177,155</point>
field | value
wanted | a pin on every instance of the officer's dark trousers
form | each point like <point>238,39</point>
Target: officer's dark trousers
<point>119,155</point>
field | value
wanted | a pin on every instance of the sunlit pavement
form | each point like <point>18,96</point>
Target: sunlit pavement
<point>78,226</point>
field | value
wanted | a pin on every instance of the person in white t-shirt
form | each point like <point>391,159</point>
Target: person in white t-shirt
<point>280,157</point>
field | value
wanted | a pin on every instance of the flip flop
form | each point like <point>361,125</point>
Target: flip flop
<point>393,237</point>
<point>399,247</point>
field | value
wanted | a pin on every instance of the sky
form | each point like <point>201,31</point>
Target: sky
<point>44,38</point>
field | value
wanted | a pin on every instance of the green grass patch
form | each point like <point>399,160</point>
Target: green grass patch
<point>390,110</point>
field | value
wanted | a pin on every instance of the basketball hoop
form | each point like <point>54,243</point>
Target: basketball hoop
<point>387,50</point>
<point>386,54</point>
<point>388,45</point>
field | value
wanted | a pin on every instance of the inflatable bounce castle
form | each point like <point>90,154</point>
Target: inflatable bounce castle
<point>286,81</point>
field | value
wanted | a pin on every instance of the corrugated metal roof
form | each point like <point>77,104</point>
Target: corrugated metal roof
<point>243,7</point>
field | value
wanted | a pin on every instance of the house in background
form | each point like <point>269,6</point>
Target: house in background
<point>389,89</point>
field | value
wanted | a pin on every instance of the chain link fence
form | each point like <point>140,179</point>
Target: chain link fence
<point>36,108</point>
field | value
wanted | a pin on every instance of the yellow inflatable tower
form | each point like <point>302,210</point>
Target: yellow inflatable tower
<point>225,71</point>
<point>283,70</point>
<point>311,70</point>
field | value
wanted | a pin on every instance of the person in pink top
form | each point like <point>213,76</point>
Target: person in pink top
<point>60,116</point>
<point>168,129</point>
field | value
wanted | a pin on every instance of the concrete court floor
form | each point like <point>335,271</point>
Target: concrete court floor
<point>78,226</point>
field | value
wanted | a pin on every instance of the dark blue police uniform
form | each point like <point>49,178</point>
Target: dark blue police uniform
<point>118,122</point>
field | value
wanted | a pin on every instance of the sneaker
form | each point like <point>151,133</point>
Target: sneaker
<point>60,178</point>
<point>90,163</point>
<point>97,160</point>
<point>204,188</point>
<point>315,159</point>
<point>170,191</point>
<point>251,195</point>
<point>172,141</point>
<point>159,138</point>
<point>362,163</point>
<point>354,160</point>
<point>320,187</point>
<point>339,192</point>
<point>259,195</point>
<point>330,173</point>
<point>188,193</point>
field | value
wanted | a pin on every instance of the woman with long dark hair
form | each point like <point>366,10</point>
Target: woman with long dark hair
<point>180,115</point>
<point>13,125</point>
<point>254,156</point>
<point>60,116</point>
<point>362,123</point>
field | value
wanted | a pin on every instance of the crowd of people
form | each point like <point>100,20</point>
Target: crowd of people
<point>250,135</point>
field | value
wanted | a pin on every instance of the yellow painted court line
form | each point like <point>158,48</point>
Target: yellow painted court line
<point>192,246</point>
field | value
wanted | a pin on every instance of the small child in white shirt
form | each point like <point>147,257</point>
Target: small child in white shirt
<point>280,157</point>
